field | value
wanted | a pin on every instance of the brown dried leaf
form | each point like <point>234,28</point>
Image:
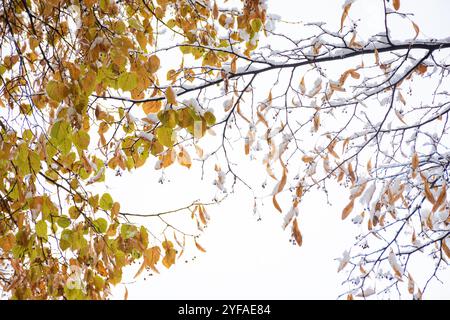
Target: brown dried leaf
<point>441,198</point>
<point>344,15</point>
<point>396,4</point>
<point>348,209</point>
<point>416,29</point>
<point>199,247</point>
<point>296,232</point>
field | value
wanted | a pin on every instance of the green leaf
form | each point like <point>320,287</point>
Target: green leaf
<point>101,225</point>
<point>35,161</point>
<point>41,229</point>
<point>256,24</point>
<point>74,212</point>
<point>164,136</point>
<point>106,201</point>
<point>210,118</point>
<point>81,139</point>
<point>63,221</point>
<point>127,81</point>
<point>65,242</point>
<point>56,90</point>
<point>99,282</point>
<point>128,231</point>
<point>61,135</point>
<point>184,118</point>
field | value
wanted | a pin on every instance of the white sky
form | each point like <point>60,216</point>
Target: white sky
<point>250,259</point>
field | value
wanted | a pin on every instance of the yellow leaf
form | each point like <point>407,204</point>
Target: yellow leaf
<point>115,210</point>
<point>348,209</point>
<point>56,90</point>
<point>296,232</point>
<point>184,158</point>
<point>153,63</point>
<point>151,257</point>
<point>151,106</point>
<point>171,96</point>
<point>169,258</point>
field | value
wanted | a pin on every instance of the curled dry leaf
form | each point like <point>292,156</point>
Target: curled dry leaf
<point>416,29</point>
<point>296,232</point>
<point>199,247</point>
<point>344,15</point>
<point>348,209</point>
<point>441,199</point>
<point>279,188</point>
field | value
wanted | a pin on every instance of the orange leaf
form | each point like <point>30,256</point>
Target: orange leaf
<point>275,204</point>
<point>151,106</point>
<point>199,247</point>
<point>348,209</point>
<point>202,215</point>
<point>428,193</point>
<point>307,159</point>
<point>440,200</point>
<point>422,68</point>
<point>396,4</point>
<point>280,187</point>
<point>296,232</point>
<point>415,161</point>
